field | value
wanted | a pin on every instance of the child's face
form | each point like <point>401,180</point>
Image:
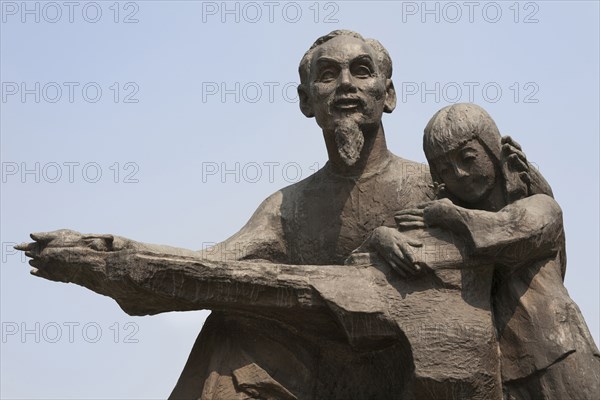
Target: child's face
<point>467,171</point>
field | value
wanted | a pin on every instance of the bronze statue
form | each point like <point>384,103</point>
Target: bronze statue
<point>302,315</point>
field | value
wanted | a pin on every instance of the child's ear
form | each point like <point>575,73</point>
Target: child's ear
<point>390,97</point>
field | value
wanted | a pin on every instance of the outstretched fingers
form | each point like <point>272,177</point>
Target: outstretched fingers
<point>27,246</point>
<point>43,237</point>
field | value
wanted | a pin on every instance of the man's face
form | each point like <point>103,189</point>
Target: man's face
<point>346,84</point>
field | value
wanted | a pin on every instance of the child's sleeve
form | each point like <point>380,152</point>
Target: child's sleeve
<point>526,230</point>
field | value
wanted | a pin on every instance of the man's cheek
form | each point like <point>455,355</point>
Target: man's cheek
<point>322,89</point>
<point>376,92</point>
<point>374,88</point>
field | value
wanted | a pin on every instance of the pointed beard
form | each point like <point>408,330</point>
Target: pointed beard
<point>349,140</point>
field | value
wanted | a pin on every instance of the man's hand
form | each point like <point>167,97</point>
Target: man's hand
<point>397,250</point>
<point>69,256</point>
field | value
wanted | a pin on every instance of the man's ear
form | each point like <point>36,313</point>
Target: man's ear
<point>390,97</point>
<point>305,102</point>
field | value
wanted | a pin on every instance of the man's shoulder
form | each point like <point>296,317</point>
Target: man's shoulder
<point>291,192</point>
<point>398,171</point>
<point>315,179</point>
<point>411,181</point>
<point>408,171</point>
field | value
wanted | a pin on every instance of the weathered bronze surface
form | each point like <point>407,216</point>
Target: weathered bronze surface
<point>367,280</point>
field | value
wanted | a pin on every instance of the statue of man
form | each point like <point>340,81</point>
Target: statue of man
<point>346,86</point>
<point>267,336</point>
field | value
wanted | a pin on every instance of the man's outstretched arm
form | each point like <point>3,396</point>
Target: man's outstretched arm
<point>149,279</point>
<point>132,272</point>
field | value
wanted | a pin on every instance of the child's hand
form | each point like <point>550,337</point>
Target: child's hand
<point>515,157</point>
<point>432,213</point>
<point>411,218</point>
<point>442,213</point>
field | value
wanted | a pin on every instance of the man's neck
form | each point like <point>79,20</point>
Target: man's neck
<point>373,156</point>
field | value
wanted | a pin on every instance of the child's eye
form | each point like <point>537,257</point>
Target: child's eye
<point>469,157</point>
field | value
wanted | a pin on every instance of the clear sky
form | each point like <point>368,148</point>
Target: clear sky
<point>169,122</point>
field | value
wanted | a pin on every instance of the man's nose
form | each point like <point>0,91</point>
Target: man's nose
<point>346,80</point>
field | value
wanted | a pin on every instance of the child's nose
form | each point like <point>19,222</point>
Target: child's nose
<point>460,171</point>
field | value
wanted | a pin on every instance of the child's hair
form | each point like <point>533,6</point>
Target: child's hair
<point>453,126</point>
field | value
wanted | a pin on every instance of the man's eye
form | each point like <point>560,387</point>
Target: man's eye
<point>327,75</point>
<point>362,71</point>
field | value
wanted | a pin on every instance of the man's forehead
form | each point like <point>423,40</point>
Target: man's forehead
<point>343,49</point>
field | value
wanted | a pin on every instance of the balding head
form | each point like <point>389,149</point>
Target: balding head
<point>381,55</point>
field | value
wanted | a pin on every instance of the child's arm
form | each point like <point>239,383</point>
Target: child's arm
<point>528,229</point>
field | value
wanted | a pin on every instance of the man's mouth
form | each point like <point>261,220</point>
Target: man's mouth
<point>347,103</point>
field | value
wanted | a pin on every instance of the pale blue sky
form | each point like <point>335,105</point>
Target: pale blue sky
<point>175,61</point>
